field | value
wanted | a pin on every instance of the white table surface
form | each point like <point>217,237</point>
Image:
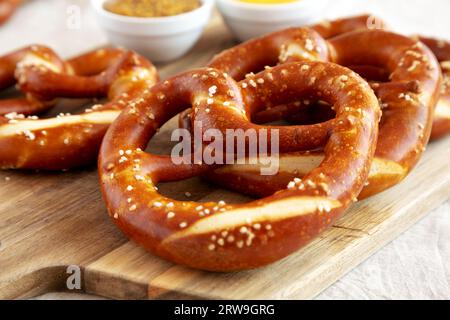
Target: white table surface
<point>414,266</point>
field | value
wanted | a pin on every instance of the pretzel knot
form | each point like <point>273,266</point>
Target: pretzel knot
<point>65,141</point>
<point>408,98</point>
<point>225,237</point>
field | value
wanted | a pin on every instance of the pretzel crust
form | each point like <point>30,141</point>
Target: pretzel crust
<point>407,101</point>
<point>218,236</point>
<point>68,141</point>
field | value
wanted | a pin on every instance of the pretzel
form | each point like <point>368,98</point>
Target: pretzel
<point>28,104</point>
<point>69,141</point>
<point>7,9</point>
<point>408,100</point>
<point>328,29</point>
<point>217,236</point>
<point>441,49</point>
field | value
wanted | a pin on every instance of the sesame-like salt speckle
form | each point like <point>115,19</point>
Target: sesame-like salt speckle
<point>123,159</point>
<point>305,67</point>
<point>212,91</point>
<point>183,225</point>
<point>170,215</point>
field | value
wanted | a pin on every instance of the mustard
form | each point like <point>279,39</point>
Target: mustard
<point>151,8</point>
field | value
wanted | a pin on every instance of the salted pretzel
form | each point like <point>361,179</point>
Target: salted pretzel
<point>408,100</point>
<point>69,141</point>
<point>299,113</point>
<point>224,237</point>
<point>7,9</point>
<point>27,104</point>
<point>441,49</point>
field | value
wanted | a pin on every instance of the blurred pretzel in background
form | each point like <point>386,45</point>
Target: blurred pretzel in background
<point>7,9</point>
<point>65,141</point>
<point>28,104</point>
<point>408,98</point>
<point>329,29</point>
<point>441,49</point>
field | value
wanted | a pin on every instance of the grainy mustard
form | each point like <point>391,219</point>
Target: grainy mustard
<point>151,8</point>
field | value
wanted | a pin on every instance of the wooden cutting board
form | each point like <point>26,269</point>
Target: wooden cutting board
<point>51,221</point>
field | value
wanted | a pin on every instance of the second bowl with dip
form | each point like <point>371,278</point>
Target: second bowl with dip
<point>160,39</point>
<point>248,19</point>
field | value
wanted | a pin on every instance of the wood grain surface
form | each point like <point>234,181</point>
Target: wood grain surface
<point>51,221</point>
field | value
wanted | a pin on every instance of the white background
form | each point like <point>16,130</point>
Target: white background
<point>414,266</point>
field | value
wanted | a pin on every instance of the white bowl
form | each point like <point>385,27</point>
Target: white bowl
<point>160,39</point>
<point>250,20</point>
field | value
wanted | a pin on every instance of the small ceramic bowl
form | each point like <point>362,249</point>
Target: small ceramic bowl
<point>160,39</point>
<point>250,20</point>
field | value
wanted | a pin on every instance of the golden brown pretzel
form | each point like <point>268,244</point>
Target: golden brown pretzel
<point>329,29</point>
<point>408,100</point>
<point>7,9</point>
<point>28,104</point>
<point>441,49</point>
<point>217,236</point>
<point>69,141</point>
